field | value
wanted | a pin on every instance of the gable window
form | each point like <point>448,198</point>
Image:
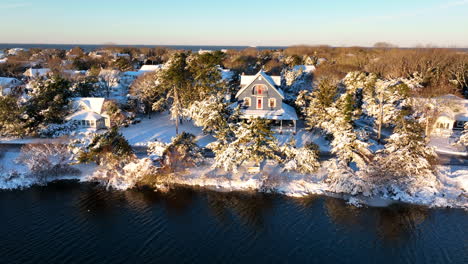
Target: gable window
<point>272,102</point>
<point>259,103</point>
<point>260,89</point>
<point>247,101</point>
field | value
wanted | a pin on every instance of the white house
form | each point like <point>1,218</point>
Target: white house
<point>35,73</point>
<point>89,113</point>
<point>453,115</point>
<point>7,85</point>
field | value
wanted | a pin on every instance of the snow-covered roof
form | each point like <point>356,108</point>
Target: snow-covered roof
<point>274,81</point>
<point>150,68</point>
<point>3,60</point>
<point>84,115</point>
<point>248,79</point>
<point>7,81</point>
<point>36,72</point>
<point>74,72</point>
<point>454,107</point>
<point>226,74</point>
<point>93,104</point>
<point>285,113</point>
<point>304,68</point>
<point>108,72</point>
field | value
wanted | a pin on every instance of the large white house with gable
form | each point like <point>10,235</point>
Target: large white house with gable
<point>260,96</point>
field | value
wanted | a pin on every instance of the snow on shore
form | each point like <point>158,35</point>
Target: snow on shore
<point>451,192</point>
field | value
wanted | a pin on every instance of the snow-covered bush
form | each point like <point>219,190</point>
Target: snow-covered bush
<point>303,159</point>
<point>123,174</point>
<point>156,150</point>
<point>58,130</point>
<point>45,160</point>
<point>183,152</point>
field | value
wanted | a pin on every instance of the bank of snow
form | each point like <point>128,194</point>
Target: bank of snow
<point>450,192</point>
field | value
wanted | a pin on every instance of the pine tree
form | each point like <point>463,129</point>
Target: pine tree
<point>49,102</point>
<point>252,141</point>
<point>181,153</point>
<point>211,113</point>
<point>175,82</point>
<point>406,153</point>
<point>11,122</point>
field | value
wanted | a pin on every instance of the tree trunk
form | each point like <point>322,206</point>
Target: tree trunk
<point>379,135</point>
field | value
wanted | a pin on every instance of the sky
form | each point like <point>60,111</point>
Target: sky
<point>405,23</point>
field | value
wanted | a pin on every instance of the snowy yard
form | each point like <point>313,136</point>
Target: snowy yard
<point>162,128</point>
<point>447,146</point>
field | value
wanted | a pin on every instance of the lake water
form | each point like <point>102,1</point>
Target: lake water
<point>68,222</point>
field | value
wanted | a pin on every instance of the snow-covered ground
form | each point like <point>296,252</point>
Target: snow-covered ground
<point>446,145</point>
<point>160,127</point>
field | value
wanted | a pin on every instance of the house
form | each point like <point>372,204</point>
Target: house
<point>89,113</point>
<point>8,85</point>
<point>36,73</point>
<point>453,115</point>
<point>304,68</point>
<point>260,96</point>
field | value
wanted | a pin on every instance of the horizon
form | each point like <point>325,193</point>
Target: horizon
<point>264,24</point>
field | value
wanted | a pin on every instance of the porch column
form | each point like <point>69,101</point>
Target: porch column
<point>281,126</point>
<point>294,121</point>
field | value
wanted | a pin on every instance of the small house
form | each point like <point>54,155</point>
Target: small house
<point>260,96</point>
<point>37,73</point>
<point>453,115</point>
<point>8,85</point>
<point>88,113</point>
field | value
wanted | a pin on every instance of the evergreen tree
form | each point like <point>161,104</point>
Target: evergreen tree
<point>11,122</point>
<point>252,141</point>
<point>107,147</point>
<point>212,113</point>
<point>49,101</point>
<point>181,153</point>
<point>406,153</point>
<point>175,81</point>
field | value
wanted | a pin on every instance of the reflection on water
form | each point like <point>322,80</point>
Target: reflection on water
<point>71,222</point>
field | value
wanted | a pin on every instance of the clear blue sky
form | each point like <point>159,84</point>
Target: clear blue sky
<point>236,22</point>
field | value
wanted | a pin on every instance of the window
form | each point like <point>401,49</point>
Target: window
<point>259,103</point>
<point>260,89</point>
<point>272,102</point>
<point>247,101</point>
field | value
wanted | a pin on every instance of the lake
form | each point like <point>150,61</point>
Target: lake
<point>69,222</point>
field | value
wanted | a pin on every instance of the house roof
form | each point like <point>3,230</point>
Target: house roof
<point>93,104</point>
<point>304,68</point>
<point>454,107</point>
<point>150,68</point>
<point>84,115</point>
<point>273,81</point>
<point>4,81</point>
<point>36,72</point>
